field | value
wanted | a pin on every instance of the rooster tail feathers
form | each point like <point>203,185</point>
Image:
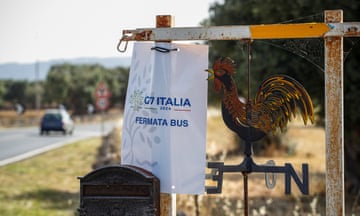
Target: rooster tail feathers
<point>284,96</point>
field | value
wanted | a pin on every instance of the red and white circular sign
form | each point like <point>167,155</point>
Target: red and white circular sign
<point>102,91</point>
<point>102,103</point>
<point>102,95</point>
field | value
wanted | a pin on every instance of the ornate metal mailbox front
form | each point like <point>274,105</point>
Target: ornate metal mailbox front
<point>119,190</point>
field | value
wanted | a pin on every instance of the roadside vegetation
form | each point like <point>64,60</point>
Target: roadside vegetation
<point>47,184</point>
<point>72,86</point>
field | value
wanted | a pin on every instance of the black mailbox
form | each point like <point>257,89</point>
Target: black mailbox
<point>119,190</point>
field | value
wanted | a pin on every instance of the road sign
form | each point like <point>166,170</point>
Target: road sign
<point>102,103</point>
<point>102,91</point>
<point>102,95</point>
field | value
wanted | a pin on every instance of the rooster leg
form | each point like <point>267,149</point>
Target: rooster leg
<point>248,148</point>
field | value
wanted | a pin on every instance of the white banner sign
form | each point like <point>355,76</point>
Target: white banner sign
<point>164,129</point>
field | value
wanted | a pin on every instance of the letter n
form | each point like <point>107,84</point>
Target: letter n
<point>303,186</point>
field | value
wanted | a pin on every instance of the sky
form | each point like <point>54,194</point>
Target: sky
<point>40,30</point>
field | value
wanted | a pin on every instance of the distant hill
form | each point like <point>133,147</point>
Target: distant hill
<point>26,71</point>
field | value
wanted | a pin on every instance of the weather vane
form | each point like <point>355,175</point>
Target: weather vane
<point>278,99</point>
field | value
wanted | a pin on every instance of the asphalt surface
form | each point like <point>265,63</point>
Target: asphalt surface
<point>20,143</point>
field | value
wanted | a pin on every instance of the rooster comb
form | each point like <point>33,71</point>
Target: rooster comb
<point>225,63</point>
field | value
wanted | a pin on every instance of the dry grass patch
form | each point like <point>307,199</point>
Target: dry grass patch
<point>47,184</point>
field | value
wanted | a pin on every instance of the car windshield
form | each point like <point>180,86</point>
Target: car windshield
<point>52,116</point>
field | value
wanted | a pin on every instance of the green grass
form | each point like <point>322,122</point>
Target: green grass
<point>47,184</point>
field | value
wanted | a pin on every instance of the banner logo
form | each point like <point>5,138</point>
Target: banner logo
<point>136,100</point>
<point>159,103</point>
<point>178,104</point>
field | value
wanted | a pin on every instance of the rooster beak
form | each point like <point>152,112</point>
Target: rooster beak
<point>211,75</point>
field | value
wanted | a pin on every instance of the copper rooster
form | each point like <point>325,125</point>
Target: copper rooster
<point>278,99</point>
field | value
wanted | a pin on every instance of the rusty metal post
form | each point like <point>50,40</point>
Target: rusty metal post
<point>246,195</point>
<point>167,201</point>
<point>165,204</point>
<point>164,21</point>
<point>334,116</point>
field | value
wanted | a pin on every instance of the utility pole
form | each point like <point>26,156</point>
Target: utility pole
<point>37,87</point>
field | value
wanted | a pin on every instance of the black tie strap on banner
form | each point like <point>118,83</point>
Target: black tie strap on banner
<point>164,50</point>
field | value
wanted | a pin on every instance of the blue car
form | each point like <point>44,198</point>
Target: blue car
<point>56,120</point>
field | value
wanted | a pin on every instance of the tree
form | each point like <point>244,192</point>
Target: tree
<point>2,92</point>
<point>15,91</point>
<point>280,56</point>
<point>56,87</point>
<point>117,81</point>
<point>74,85</point>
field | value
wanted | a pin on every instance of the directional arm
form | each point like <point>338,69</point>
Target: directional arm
<point>239,32</point>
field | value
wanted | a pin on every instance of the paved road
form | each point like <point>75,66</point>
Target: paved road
<point>20,143</point>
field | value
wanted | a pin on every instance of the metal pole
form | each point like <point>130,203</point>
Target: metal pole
<point>167,201</point>
<point>37,87</point>
<point>334,116</point>
<point>102,123</point>
<point>246,195</point>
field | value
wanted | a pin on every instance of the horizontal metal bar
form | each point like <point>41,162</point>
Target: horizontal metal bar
<point>347,29</point>
<point>239,32</point>
<point>282,31</point>
<point>192,33</point>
